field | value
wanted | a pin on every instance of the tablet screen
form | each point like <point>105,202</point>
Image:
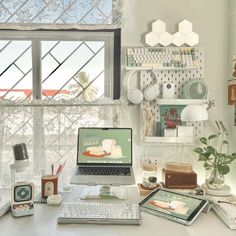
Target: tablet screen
<point>173,204</point>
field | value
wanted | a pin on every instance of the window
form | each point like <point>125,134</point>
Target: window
<point>80,66</point>
<point>49,81</point>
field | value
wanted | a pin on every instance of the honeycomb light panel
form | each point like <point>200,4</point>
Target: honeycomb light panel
<point>151,38</point>
<point>192,39</point>
<point>158,26</point>
<point>184,35</point>
<point>178,39</point>
<point>165,39</point>
<point>185,27</point>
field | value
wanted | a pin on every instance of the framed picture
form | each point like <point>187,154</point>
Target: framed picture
<point>231,91</point>
<point>170,117</point>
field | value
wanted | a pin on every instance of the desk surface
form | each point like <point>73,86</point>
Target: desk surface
<point>44,222</point>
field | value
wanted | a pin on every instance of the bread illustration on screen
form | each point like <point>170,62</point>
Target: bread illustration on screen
<point>107,148</point>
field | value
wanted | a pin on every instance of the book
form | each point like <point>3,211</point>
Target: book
<point>225,209</point>
<point>224,217</point>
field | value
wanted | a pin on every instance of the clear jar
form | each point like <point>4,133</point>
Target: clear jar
<point>149,174</point>
<point>214,180</point>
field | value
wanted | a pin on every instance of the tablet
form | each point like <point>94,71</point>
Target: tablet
<point>174,206</point>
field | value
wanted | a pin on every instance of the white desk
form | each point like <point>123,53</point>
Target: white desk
<point>44,222</point>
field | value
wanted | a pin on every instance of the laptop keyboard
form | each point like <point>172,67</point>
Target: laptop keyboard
<point>121,171</point>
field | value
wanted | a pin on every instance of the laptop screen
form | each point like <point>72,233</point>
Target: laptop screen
<point>104,146</point>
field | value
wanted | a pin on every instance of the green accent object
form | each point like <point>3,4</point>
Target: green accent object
<point>195,89</point>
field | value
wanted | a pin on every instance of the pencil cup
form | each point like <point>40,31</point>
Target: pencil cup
<point>49,185</point>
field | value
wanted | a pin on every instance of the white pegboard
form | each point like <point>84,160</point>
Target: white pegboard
<point>179,78</point>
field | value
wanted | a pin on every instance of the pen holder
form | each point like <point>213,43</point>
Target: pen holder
<point>49,185</point>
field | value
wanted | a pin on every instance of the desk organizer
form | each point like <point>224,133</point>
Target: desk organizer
<point>49,185</point>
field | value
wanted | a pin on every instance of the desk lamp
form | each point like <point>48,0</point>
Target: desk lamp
<point>194,113</point>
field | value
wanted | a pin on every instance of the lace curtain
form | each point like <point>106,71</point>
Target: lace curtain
<point>50,130</point>
<point>60,14</point>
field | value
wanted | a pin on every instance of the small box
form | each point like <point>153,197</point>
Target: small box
<point>185,131</point>
<point>170,132</point>
<point>183,180</point>
<point>22,202</point>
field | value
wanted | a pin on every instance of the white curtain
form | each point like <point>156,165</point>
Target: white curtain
<point>60,14</point>
<point>50,131</point>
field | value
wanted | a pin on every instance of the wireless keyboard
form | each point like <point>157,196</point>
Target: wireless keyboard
<point>162,58</point>
<point>99,213</point>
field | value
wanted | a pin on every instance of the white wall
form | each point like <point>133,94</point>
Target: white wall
<point>210,21</point>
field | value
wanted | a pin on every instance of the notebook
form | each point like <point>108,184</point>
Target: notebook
<point>104,156</point>
<point>174,206</point>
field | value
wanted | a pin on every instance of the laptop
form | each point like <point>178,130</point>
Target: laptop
<point>175,206</point>
<point>104,156</point>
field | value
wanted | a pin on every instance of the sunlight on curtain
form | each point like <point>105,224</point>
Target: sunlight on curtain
<point>60,14</point>
<point>49,130</point>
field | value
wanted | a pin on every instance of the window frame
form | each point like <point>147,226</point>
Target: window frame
<point>111,37</point>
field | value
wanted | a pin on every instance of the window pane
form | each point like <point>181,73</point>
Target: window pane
<point>73,70</point>
<point>15,70</point>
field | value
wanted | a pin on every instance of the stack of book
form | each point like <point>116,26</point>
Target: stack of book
<point>225,208</point>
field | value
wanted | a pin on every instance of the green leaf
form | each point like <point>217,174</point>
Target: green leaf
<point>212,136</point>
<point>223,169</point>
<point>198,150</point>
<point>207,166</point>
<point>212,150</point>
<point>233,154</point>
<point>203,140</point>
<point>225,142</point>
<point>202,158</point>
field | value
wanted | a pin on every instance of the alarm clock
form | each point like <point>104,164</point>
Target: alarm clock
<point>22,199</point>
<point>195,89</point>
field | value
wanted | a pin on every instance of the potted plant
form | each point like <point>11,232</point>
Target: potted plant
<point>216,160</point>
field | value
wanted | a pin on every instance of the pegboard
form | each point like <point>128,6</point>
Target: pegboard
<point>179,77</point>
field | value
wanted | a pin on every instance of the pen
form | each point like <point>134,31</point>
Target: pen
<point>52,169</point>
<point>60,167</point>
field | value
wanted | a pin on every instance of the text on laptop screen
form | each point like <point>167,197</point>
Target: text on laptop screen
<point>173,204</point>
<point>104,145</point>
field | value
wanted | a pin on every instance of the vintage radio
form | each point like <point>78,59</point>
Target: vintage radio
<point>182,180</point>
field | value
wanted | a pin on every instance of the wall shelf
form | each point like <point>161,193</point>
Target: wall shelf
<point>161,101</point>
<point>168,140</point>
<point>161,68</point>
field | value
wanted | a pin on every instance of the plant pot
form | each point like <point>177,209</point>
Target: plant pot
<point>214,180</point>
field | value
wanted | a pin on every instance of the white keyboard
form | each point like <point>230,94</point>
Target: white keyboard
<point>100,213</point>
<point>160,57</point>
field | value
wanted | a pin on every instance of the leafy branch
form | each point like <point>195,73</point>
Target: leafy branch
<point>213,158</point>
